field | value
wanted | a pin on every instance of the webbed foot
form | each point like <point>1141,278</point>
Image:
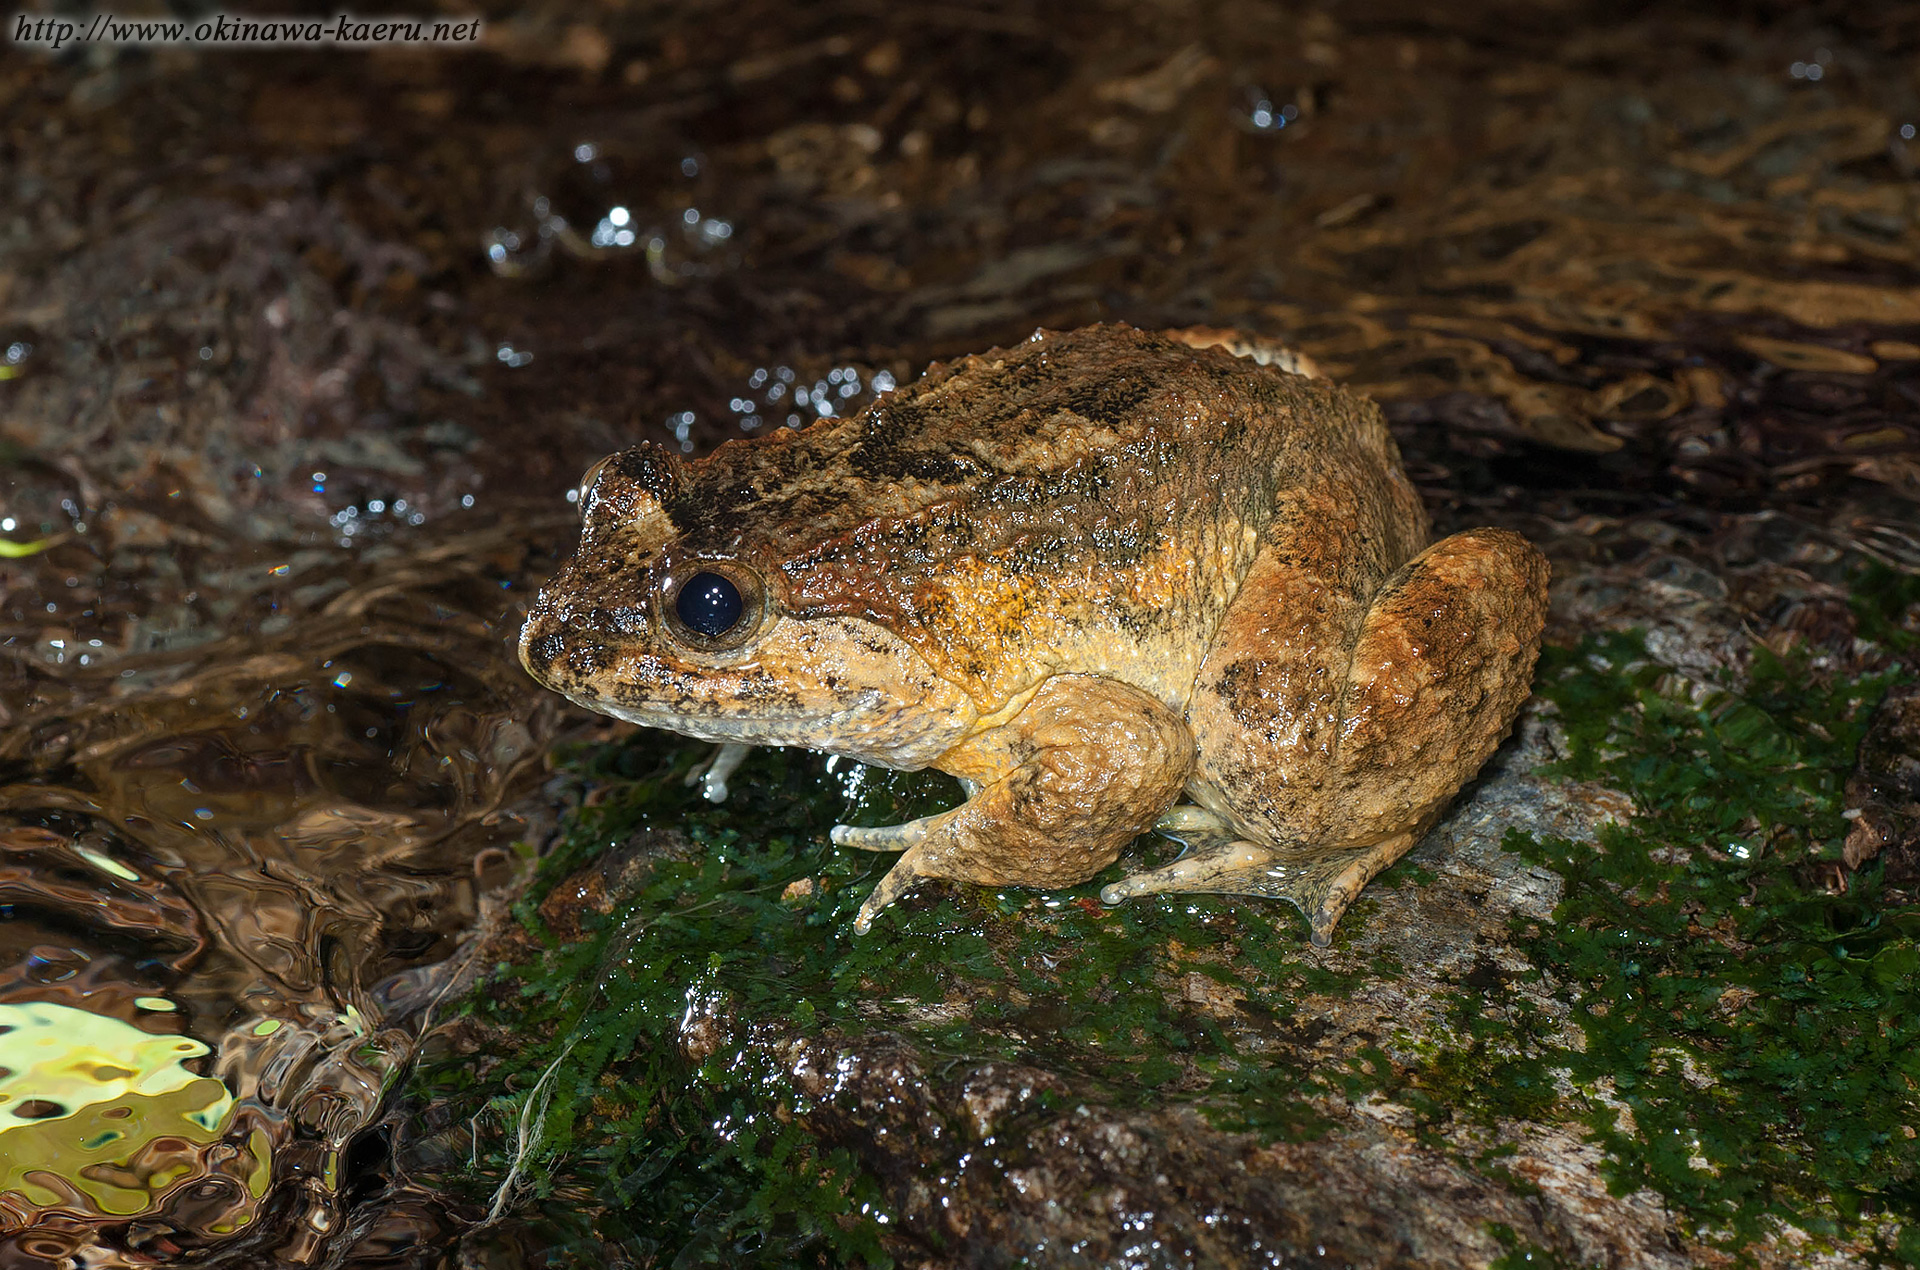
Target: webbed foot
<point>1321,887</point>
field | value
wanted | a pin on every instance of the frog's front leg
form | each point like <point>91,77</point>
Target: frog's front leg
<point>713,772</point>
<point>1084,768</point>
<point>1324,788</point>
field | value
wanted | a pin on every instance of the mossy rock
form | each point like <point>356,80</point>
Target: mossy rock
<point>1626,1005</point>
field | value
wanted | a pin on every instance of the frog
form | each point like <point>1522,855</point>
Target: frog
<point>1115,580</point>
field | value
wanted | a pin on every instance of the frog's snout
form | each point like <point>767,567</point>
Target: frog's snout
<point>541,644</point>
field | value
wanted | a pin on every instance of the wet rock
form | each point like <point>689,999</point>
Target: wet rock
<point>1883,794</point>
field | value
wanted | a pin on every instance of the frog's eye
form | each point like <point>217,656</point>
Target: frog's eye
<point>716,607</point>
<point>709,604</point>
<point>585,487</point>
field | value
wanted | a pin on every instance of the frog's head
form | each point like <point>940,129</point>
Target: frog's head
<point>670,615</point>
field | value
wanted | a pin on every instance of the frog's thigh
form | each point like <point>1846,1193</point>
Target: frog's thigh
<point>1265,708</point>
<point>1443,660</point>
<point>1442,666</point>
<point>1085,768</point>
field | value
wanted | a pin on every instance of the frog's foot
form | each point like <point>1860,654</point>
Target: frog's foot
<point>906,872</point>
<point>922,840</point>
<point>711,773</point>
<point>1189,821</point>
<point>1320,887</point>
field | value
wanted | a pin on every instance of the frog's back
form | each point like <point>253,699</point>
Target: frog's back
<point>1088,501</point>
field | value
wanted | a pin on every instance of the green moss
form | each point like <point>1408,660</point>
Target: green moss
<point>1885,604</point>
<point>1751,1042</point>
<point>1518,1254</point>
<point>677,1158</point>
<point>1747,1041</point>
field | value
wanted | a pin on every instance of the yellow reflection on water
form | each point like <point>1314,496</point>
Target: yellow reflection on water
<point>99,1116</point>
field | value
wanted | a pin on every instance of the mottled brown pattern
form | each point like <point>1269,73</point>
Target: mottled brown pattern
<point>1085,572</point>
<point>1011,502</point>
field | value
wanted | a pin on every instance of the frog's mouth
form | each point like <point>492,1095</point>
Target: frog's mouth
<point>722,723</point>
<point>807,683</point>
<point>654,691</point>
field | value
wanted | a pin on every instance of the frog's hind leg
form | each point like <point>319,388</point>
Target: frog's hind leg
<point>1321,887</point>
<point>1334,739</point>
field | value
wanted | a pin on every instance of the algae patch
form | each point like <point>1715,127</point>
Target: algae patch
<point>653,1055</point>
<point>1751,1039</point>
<point>722,948</point>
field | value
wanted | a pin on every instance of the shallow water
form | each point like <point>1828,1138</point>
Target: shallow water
<point>300,353</point>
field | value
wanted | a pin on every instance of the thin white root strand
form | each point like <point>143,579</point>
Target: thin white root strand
<point>533,1121</point>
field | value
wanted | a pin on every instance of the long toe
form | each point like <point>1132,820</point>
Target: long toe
<point>879,837</point>
<point>901,878</point>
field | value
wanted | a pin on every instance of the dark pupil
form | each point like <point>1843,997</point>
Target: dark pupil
<point>709,604</point>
